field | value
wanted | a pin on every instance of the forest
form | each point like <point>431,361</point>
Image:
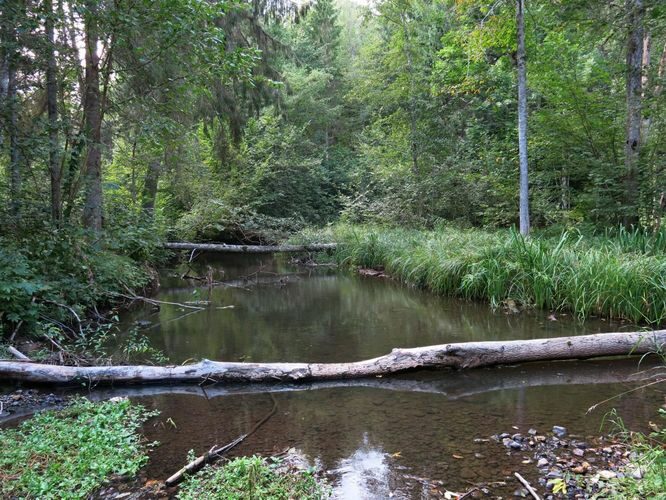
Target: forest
<point>502,154</point>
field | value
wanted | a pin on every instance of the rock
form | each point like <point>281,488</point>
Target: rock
<point>578,452</point>
<point>636,473</point>
<point>522,493</point>
<point>559,431</point>
<point>553,475</point>
<point>607,474</point>
<point>543,462</point>
<point>504,435</point>
<point>532,432</point>
<point>510,443</point>
<point>517,437</point>
<point>607,450</point>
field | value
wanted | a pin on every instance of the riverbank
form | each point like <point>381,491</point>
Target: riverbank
<point>621,276</point>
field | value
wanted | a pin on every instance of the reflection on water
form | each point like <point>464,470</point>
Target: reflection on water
<point>364,474</point>
<point>397,436</point>
<point>320,316</point>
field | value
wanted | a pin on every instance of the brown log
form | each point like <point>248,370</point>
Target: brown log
<point>221,247</point>
<point>461,355</point>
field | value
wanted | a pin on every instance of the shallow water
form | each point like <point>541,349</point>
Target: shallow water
<point>382,437</point>
<point>398,437</point>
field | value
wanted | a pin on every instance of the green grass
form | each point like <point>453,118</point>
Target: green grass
<point>619,276</point>
<point>69,453</point>
<point>247,478</point>
<point>650,453</point>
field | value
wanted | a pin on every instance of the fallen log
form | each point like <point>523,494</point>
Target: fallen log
<point>221,247</point>
<point>460,355</point>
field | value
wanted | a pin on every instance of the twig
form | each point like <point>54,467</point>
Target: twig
<point>594,407</point>
<point>215,452</point>
<point>528,486</point>
<point>18,354</point>
<point>18,327</point>
<point>70,309</point>
<point>156,302</point>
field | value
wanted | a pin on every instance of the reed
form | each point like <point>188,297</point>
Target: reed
<point>616,275</point>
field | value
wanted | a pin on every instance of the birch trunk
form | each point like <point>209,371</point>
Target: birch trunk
<point>522,120</point>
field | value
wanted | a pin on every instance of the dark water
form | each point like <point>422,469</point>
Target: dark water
<point>386,437</point>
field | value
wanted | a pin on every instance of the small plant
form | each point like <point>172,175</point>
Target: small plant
<point>247,478</point>
<point>645,476</point>
<point>69,453</point>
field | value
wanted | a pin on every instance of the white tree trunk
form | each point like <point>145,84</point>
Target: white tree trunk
<point>462,355</point>
<point>221,247</point>
<point>522,120</point>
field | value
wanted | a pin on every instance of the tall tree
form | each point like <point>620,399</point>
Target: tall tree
<point>635,13</point>
<point>522,119</point>
<point>92,109</point>
<point>52,108</point>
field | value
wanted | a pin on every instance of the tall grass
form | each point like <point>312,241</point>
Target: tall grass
<point>616,276</point>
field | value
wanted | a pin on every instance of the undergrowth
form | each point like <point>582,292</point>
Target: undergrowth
<point>617,276</point>
<point>69,453</point>
<point>247,478</point>
<point>51,276</point>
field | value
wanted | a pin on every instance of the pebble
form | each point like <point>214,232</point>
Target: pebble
<point>559,431</point>
<point>607,474</point>
<point>543,462</point>
<point>578,452</point>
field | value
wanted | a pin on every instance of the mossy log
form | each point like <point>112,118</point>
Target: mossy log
<point>221,247</point>
<point>457,356</point>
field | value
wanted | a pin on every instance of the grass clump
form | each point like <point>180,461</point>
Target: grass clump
<point>246,478</point>
<point>69,453</point>
<point>645,476</point>
<point>616,276</point>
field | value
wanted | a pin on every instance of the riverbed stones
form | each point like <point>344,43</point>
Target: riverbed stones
<point>584,467</point>
<point>560,431</point>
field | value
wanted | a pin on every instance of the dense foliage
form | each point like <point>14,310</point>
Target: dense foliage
<point>127,122</point>
<point>69,453</point>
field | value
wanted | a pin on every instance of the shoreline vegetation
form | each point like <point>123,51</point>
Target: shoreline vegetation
<point>620,275</point>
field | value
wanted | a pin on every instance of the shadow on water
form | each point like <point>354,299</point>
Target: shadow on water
<point>377,436</point>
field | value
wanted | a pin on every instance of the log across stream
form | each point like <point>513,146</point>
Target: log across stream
<point>455,355</point>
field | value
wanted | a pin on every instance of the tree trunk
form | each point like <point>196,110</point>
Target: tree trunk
<point>52,107</point>
<point>413,144</point>
<point>14,152</point>
<point>634,91</point>
<point>150,186</point>
<point>462,355</point>
<point>92,209</point>
<point>522,120</point>
<point>221,247</point>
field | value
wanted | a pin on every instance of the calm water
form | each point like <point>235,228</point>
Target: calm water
<point>378,438</point>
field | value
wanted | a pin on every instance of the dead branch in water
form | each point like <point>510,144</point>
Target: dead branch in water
<point>217,451</point>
